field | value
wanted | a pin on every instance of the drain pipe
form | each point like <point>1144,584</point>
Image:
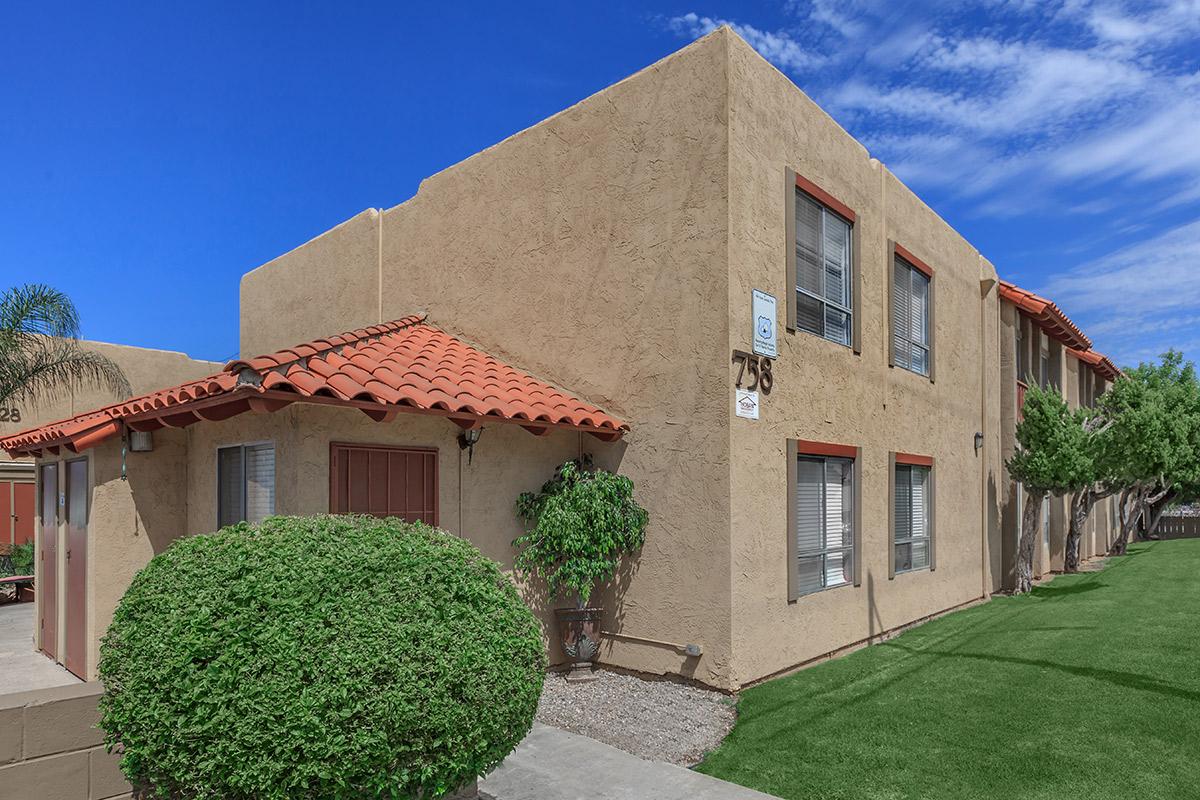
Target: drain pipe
<point>690,650</point>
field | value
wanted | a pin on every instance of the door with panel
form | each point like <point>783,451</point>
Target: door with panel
<point>76,584</point>
<point>47,583</point>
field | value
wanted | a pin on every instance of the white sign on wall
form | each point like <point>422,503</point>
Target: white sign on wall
<point>762,307</point>
<point>745,403</point>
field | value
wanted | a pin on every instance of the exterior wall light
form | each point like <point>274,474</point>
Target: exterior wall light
<point>467,441</point>
<point>141,441</point>
<point>978,441</point>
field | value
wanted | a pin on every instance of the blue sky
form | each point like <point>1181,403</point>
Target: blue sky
<point>152,155</point>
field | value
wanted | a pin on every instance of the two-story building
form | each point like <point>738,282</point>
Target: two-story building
<point>589,285</point>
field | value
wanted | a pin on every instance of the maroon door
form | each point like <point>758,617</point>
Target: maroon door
<point>384,481</point>
<point>76,600</point>
<point>22,513</point>
<point>48,548</point>
<point>6,513</point>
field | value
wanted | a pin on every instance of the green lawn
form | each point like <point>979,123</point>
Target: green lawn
<point>1088,688</point>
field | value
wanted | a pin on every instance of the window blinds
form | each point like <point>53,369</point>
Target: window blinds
<point>824,291</point>
<point>824,522</point>
<point>260,482</point>
<point>910,317</point>
<point>245,483</point>
<point>910,534</point>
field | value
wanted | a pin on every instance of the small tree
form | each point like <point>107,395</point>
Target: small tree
<point>1051,458</point>
<point>583,522</point>
<point>1153,444</point>
<point>1095,481</point>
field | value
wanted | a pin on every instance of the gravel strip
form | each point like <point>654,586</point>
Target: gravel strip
<point>656,720</point>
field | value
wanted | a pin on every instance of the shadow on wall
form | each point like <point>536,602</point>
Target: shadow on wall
<point>995,536</point>
<point>157,482</point>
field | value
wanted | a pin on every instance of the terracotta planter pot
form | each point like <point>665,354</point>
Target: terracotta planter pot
<point>579,634</point>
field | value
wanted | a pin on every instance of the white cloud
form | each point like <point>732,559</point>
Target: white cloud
<point>1139,299</point>
<point>777,47</point>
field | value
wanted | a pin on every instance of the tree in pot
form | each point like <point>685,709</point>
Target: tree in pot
<point>581,523</point>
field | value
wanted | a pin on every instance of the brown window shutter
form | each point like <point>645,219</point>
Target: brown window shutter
<point>890,299</point>
<point>891,537</point>
<point>856,306</point>
<point>932,312</point>
<point>789,227</point>
<point>858,527</point>
<point>933,516</point>
<point>793,577</point>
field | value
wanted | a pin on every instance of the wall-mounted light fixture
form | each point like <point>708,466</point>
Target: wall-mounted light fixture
<point>467,441</point>
<point>978,441</point>
<point>141,441</point>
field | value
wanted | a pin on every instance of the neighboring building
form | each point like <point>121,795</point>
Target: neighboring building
<point>1039,344</point>
<point>612,250</point>
<point>146,370</point>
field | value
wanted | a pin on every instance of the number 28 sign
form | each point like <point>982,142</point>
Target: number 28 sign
<point>759,377</point>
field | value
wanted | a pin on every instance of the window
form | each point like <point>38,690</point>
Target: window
<point>910,317</point>
<point>824,523</point>
<point>824,282</point>
<point>1022,352</point>
<point>911,531</point>
<point>1045,364</point>
<point>1046,521</point>
<point>245,483</point>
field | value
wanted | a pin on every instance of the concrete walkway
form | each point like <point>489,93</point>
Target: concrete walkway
<point>552,764</point>
<point>21,667</point>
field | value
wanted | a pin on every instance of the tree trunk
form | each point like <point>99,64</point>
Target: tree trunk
<point>1031,524</point>
<point>1158,506</point>
<point>1081,507</point>
<point>1131,510</point>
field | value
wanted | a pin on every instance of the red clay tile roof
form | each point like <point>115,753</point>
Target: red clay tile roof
<point>1098,362</point>
<point>402,366</point>
<point>1047,315</point>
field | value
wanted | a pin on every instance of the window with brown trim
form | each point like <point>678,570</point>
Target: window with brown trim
<point>821,267</point>
<point>912,528</point>
<point>911,306</point>
<point>823,517</point>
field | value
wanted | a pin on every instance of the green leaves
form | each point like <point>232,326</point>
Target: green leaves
<point>1056,448</point>
<point>318,657</point>
<point>22,559</point>
<point>40,350</point>
<point>583,522</point>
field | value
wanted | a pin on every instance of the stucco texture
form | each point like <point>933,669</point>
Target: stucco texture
<point>589,250</point>
<point>825,392</point>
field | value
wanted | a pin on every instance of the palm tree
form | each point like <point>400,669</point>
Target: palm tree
<point>40,350</point>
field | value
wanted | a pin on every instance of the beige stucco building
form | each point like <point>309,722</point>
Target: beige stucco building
<point>611,252</point>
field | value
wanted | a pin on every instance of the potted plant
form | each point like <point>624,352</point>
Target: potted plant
<point>581,523</point>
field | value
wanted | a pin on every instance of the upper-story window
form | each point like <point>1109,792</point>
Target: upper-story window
<point>1022,352</point>
<point>910,316</point>
<point>1044,378</point>
<point>824,279</point>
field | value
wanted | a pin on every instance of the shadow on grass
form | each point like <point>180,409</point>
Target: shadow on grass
<point>1050,590</point>
<point>1129,680</point>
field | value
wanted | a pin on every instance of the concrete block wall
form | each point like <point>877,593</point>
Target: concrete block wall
<point>50,747</point>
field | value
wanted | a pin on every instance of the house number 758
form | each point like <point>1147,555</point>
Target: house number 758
<point>759,368</point>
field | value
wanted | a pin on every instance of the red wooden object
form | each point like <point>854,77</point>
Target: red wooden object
<point>384,481</point>
<point>75,659</point>
<point>48,547</point>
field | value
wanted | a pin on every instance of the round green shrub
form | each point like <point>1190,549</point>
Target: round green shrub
<point>318,657</point>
